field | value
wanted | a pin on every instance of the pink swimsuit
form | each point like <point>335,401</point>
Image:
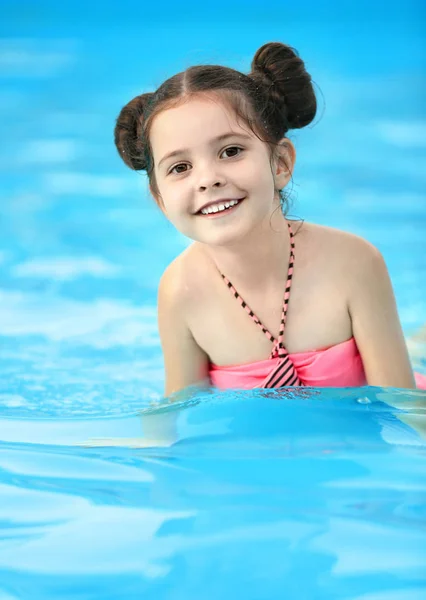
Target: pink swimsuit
<point>336,366</point>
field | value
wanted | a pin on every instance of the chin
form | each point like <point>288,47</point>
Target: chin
<point>224,238</point>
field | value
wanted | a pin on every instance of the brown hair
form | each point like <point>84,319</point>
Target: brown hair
<point>276,96</point>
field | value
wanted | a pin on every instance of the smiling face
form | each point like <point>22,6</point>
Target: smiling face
<point>215,178</point>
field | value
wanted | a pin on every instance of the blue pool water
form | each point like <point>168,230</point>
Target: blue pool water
<point>107,492</point>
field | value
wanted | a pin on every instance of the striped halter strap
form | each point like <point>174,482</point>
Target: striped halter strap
<point>283,373</point>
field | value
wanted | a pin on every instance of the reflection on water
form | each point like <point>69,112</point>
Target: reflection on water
<point>255,489</point>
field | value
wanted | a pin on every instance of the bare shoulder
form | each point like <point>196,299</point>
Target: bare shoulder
<point>184,277</point>
<point>344,250</point>
<point>171,282</point>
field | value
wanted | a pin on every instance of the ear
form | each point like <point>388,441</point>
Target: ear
<point>285,160</point>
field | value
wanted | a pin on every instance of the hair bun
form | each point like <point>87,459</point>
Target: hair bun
<point>282,73</point>
<point>128,132</point>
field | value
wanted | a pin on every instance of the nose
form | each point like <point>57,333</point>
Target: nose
<point>216,184</point>
<point>210,178</point>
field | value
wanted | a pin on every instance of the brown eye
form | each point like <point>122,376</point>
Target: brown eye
<point>178,169</point>
<point>232,151</point>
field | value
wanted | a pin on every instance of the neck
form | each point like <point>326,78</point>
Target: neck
<point>259,260</point>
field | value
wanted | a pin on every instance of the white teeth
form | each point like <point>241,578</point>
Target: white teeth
<point>219,207</point>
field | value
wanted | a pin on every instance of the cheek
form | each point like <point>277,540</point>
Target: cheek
<point>261,177</point>
<point>259,170</point>
<point>175,201</point>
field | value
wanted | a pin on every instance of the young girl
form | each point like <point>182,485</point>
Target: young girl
<point>257,300</point>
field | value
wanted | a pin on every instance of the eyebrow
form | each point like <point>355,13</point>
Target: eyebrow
<point>219,138</point>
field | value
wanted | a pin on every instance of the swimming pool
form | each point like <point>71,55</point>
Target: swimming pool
<point>259,495</point>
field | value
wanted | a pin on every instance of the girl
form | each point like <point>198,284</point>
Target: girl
<point>257,300</point>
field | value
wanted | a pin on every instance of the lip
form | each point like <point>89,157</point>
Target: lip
<point>219,201</point>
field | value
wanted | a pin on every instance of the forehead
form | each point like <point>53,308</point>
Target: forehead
<point>192,123</point>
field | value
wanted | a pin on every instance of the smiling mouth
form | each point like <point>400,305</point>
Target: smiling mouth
<point>219,209</point>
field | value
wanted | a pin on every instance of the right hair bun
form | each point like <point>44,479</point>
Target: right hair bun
<point>280,70</point>
<point>128,132</point>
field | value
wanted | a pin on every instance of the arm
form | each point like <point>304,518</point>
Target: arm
<point>375,322</point>
<point>184,361</point>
